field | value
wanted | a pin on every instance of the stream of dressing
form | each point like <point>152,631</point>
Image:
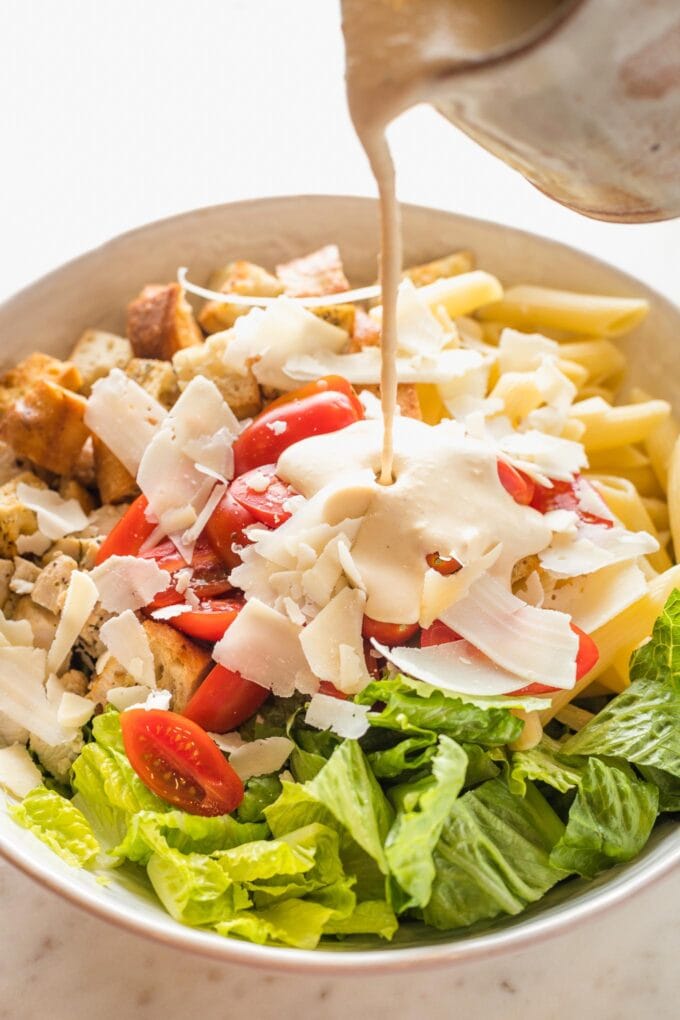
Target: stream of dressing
<point>400,52</point>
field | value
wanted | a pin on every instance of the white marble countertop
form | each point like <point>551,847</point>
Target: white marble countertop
<point>127,112</point>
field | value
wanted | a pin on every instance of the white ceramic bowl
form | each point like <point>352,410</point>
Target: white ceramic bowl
<point>94,290</point>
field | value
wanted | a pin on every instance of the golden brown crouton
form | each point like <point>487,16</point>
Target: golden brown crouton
<point>15,518</point>
<point>46,426</point>
<point>69,488</point>
<point>160,322</point>
<point>35,368</point>
<point>365,333</point>
<point>241,277</point>
<point>156,377</point>
<point>180,664</point>
<point>315,274</point>
<point>449,265</point>
<point>342,316</point>
<point>97,353</point>
<point>241,392</point>
<point>6,571</point>
<point>114,481</point>
<point>407,399</point>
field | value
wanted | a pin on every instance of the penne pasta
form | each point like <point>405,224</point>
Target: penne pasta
<point>533,307</point>
<point>625,503</point>
<point>658,511</point>
<point>576,373</point>
<point>674,496</point>
<point>619,458</point>
<point>660,442</point>
<point>601,358</point>
<point>607,427</point>
<point>463,294</point>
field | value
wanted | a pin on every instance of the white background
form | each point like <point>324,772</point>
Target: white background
<point>117,113</point>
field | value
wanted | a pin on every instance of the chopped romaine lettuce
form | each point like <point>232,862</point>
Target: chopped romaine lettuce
<point>59,824</point>
<point>547,764</point>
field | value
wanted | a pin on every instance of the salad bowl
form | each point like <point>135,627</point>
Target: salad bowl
<point>92,290</point>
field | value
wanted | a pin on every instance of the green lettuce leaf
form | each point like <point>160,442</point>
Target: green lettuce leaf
<point>414,707</point>
<point>194,888</point>
<point>482,764</point>
<point>59,824</point>
<point>372,917</point>
<point>609,821</point>
<point>418,825</point>
<point>305,764</point>
<point>155,832</point>
<point>298,923</point>
<point>667,785</point>
<point>545,763</point>
<point>412,754</point>
<point>493,856</point>
<point>260,792</point>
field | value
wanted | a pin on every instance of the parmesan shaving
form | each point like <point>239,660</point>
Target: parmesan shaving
<point>128,582</point>
<point>74,711</point>
<point>57,517</point>
<point>592,547</point>
<point>338,626</point>
<point>23,698</point>
<point>125,638</point>
<point>126,697</point>
<point>440,592</point>
<point>18,772</point>
<point>343,718</point>
<point>260,757</point>
<point>81,598</point>
<point>124,417</point>
<point>593,599</point>
<point>457,667</point>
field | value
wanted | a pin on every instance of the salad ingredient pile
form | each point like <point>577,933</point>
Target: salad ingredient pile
<point>297,702</point>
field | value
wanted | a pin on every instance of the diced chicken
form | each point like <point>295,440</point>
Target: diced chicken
<point>241,392</point>
<point>74,682</point>
<point>315,274</point>
<point>35,368</point>
<point>97,353</point>
<point>24,577</point>
<point>6,572</point>
<point>156,377</point>
<point>89,646</point>
<point>236,278</point>
<point>45,425</point>
<point>160,322</point>
<point>43,623</point>
<point>15,518</point>
<point>49,590</point>
<point>112,675</point>
<point>449,265</point>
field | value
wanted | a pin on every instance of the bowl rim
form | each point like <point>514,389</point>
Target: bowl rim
<point>562,918</point>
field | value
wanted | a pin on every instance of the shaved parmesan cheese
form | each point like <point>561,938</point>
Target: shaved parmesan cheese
<point>154,700</point>
<point>56,516</point>
<point>23,698</point>
<point>170,612</point>
<point>593,599</point>
<point>128,582</point>
<point>74,711</point>
<point>320,579</point>
<point>191,536</point>
<point>124,416</point>
<point>543,456</point>
<point>125,697</point>
<point>18,772</point>
<point>523,352</point>
<point>125,638</point>
<point>338,625</point>
<point>17,633</point>
<point>563,522</point>
<point>439,592</point>
<point>532,592</point>
<point>535,644</point>
<point>258,481</point>
<point>418,331</point>
<point>457,667</point>
<point>593,547</point>
<point>341,717</point>
<point>285,330</point>
<point>363,367</point>
<point>260,757</point>
<point>350,569</point>
<point>277,427</point>
<point>228,742</point>
<point>264,646</point>
<point>81,598</point>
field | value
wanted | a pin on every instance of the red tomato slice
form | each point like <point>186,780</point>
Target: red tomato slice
<point>437,634</point>
<point>266,507</point>
<point>179,762</point>
<point>516,483</point>
<point>327,382</point>
<point>263,442</point>
<point>566,496</point>
<point>586,658</point>
<point>210,577</point>
<point>444,565</point>
<point>224,701</point>
<point>225,529</point>
<point>210,621</point>
<point>129,535</point>
<point>388,633</point>
<point>331,691</point>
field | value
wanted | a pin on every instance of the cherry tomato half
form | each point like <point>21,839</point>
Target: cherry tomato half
<point>323,385</point>
<point>275,430</point>
<point>516,483</point>
<point>444,565</point>
<point>209,579</point>
<point>210,620</point>
<point>179,762</point>
<point>224,701</point>
<point>388,633</point>
<point>586,658</point>
<point>331,691</point>
<point>566,496</point>
<point>129,534</point>
<point>265,506</point>
<point>437,634</point>
<point>225,529</point>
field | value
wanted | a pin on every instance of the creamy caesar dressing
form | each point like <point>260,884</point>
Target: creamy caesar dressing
<point>446,497</point>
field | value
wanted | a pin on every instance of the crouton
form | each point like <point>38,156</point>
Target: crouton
<point>449,265</point>
<point>45,425</point>
<point>69,488</point>
<point>24,577</point>
<point>74,682</point>
<point>35,368</point>
<point>241,392</point>
<point>156,377</point>
<point>160,322</point>
<point>112,675</point>
<point>96,354</point>
<point>83,469</point>
<point>365,332</point>
<point>181,664</point>
<point>315,274</point>
<point>342,316</point>
<point>49,589</point>
<point>15,518</point>
<point>6,571</point>
<point>407,399</point>
<point>114,481</point>
<point>236,278</point>
<point>43,623</point>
